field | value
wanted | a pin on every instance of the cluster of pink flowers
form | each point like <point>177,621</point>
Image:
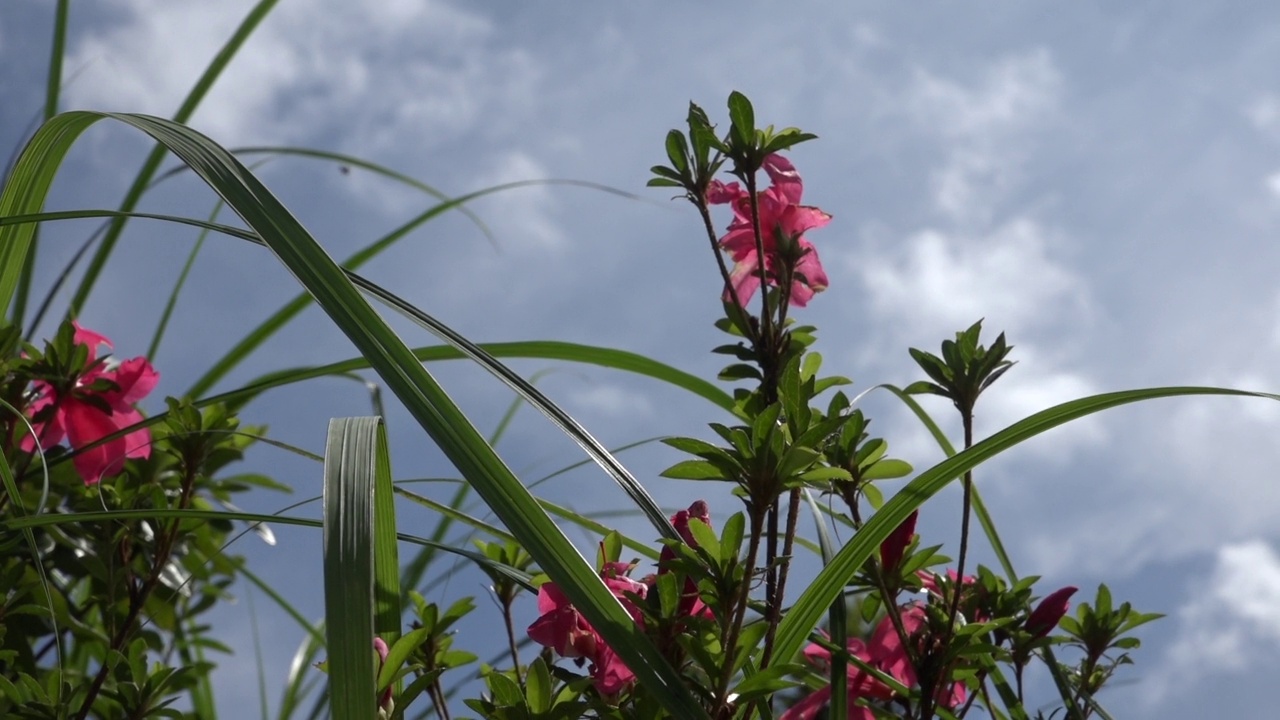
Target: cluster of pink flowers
<point>563,629</point>
<point>783,222</point>
<point>885,651</point>
<point>88,412</point>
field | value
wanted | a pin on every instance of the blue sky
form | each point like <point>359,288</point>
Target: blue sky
<point>1102,182</point>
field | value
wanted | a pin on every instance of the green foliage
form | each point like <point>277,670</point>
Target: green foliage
<point>965,369</point>
<point>106,585</point>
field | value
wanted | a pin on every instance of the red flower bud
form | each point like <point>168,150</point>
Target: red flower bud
<point>1045,617</point>
<point>895,545</point>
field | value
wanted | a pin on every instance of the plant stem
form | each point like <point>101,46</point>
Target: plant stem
<point>788,541</point>
<point>739,614</point>
<point>967,481</point>
<point>511,640</point>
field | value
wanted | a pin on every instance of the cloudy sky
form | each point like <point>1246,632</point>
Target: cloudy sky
<point>1100,181</point>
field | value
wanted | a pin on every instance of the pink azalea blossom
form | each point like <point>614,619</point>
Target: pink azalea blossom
<point>563,629</point>
<point>884,652</point>
<point>1045,617</point>
<point>80,416</point>
<point>783,222</point>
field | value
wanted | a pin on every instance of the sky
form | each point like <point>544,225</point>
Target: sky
<point>1100,181</point>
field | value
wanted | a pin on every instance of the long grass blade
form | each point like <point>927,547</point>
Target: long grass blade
<point>353,461</point>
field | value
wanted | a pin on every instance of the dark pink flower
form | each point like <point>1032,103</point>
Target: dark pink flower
<point>783,222</point>
<point>563,629</point>
<point>885,652</point>
<point>85,414</point>
<point>690,603</point>
<point>1045,617</point>
<point>895,545</point>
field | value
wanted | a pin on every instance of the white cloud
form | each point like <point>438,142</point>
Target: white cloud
<point>522,218</point>
<point>1014,91</point>
<point>976,263</point>
<point>611,401</point>
<point>1264,112</point>
<point>1182,475</point>
<point>1273,183</point>
<point>1231,618</point>
<point>982,126</point>
<point>948,280</point>
<point>385,74</point>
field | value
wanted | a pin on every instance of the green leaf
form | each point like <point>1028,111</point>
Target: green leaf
<point>355,455</point>
<point>826,475</point>
<point>887,470</point>
<point>538,687</point>
<point>695,470</point>
<point>678,151</point>
<point>743,118</point>
<point>398,653</point>
<point>662,182</point>
<point>705,537</point>
<point>731,537</point>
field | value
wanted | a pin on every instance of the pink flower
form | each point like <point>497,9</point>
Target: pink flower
<point>563,629</point>
<point>1045,617</point>
<point>884,652</point>
<point>783,222</point>
<point>85,414</point>
<point>895,545</point>
<point>690,603</point>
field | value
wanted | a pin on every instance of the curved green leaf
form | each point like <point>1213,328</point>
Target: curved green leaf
<point>824,589</point>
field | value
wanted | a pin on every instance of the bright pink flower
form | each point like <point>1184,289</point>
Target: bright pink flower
<point>84,415</point>
<point>1045,617</point>
<point>563,629</point>
<point>884,652</point>
<point>895,545</point>
<point>783,222</point>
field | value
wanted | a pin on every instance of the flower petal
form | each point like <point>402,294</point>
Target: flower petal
<point>90,339</point>
<point>136,379</point>
<point>86,424</point>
